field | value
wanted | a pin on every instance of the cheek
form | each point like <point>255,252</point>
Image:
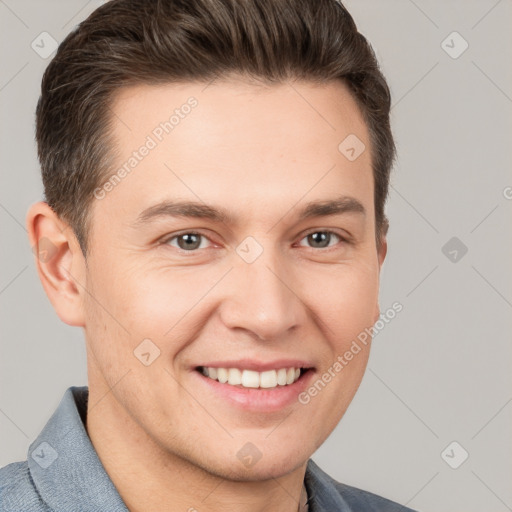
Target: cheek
<point>346,307</point>
<point>162,298</point>
<point>345,301</point>
<point>160,304</point>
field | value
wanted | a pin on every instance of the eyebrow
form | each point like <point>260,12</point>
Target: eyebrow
<point>193,209</point>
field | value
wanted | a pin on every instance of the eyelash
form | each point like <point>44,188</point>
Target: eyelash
<point>194,251</point>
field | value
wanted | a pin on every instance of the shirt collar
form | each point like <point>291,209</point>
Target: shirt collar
<point>64,465</point>
<point>69,475</point>
<point>323,496</point>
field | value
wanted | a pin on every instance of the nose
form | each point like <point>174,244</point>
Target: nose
<point>261,297</point>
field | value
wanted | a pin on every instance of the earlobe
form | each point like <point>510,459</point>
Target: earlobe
<point>382,250</point>
<point>58,260</point>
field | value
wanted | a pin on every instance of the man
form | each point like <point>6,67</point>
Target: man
<point>215,175</point>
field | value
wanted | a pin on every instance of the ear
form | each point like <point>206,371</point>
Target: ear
<point>59,261</point>
<point>382,250</point>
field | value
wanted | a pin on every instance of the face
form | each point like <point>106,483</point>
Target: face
<point>274,267</point>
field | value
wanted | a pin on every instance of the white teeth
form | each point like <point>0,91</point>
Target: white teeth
<point>235,376</point>
<point>222,375</point>
<point>251,378</point>
<point>268,379</point>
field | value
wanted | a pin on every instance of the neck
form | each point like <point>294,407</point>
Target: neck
<point>148,477</point>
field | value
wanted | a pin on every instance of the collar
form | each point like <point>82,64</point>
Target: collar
<point>63,464</point>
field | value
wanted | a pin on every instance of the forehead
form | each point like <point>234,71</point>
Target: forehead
<point>225,106</point>
<point>264,145</point>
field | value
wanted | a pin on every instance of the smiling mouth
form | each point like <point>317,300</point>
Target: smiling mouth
<point>241,378</point>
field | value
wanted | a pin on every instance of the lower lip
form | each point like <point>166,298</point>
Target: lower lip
<point>258,399</point>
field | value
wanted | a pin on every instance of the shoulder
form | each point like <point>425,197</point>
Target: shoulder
<point>17,491</point>
<point>329,494</point>
<point>359,499</point>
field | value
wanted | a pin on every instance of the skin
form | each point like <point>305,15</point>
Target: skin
<point>262,153</point>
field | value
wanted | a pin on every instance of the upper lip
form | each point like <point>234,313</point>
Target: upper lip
<point>258,366</point>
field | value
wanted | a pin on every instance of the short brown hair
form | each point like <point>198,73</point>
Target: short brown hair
<point>126,42</point>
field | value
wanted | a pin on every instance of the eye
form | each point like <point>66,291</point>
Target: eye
<point>192,241</point>
<point>188,241</point>
<point>321,239</point>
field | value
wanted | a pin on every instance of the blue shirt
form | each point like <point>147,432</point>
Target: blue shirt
<point>63,473</point>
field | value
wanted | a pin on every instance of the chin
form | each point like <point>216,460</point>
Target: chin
<point>259,473</point>
<point>265,468</point>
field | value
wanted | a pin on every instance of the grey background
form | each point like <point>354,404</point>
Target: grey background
<point>441,370</point>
